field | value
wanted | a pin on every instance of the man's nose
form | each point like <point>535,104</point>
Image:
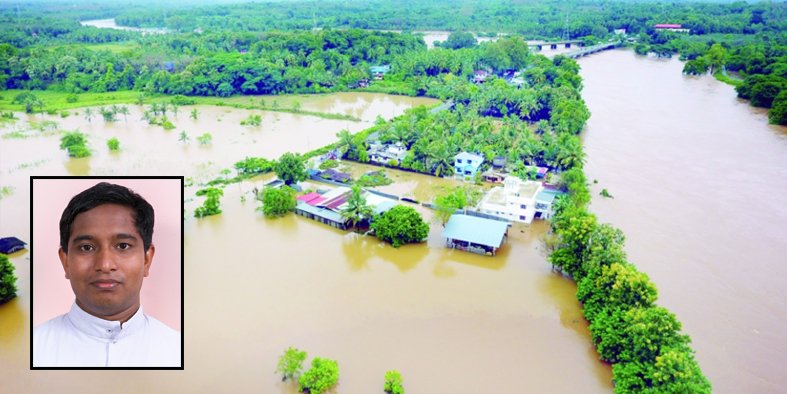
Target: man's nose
<point>105,260</point>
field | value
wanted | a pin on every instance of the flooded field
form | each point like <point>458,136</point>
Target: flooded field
<point>449,321</point>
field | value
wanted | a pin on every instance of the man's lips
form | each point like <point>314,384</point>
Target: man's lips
<point>105,284</point>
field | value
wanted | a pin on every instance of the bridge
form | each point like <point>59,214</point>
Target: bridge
<point>538,45</point>
<point>592,49</point>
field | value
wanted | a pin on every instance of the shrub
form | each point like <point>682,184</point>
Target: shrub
<point>393,383</point>
<point>323,374</point>
<point>75,143</point>
<point>113,144</point>
<point>400,225</point>
<point>7,280</point>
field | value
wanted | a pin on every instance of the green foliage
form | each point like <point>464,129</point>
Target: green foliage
<point>277,201</point>
<point>72,98</point>
<point>328,164</point>
<point>75,143</point>
<point>167,125</point>
<point>778,113</point>
<point>446,204</point>
<point>323,374</point>
<point>617,286</point>
<point>205,139</point>
<point>400,225</point>
<point>113,144</point>
<point>675,371</point>
<point>30,101</point>
<point>252,120</point>
<point>290,168</point>
<point>291,363</point>
<point>605,193</point>
<point>356,209</point>
<point>211,204</point>
<point>254,165</point>
<point>393,382</point>
<point>372,179</point>
<point>459,39</point>
<point>8,287</point>
<point>194,114</point>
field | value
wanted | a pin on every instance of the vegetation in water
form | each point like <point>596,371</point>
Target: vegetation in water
<point>113,144</point>
<point>75,143</point>
<point>393,382</point>
<point>291,363</point>
<point>212,203</point>
<point>290,168</point>
<point>400,225</point>
<point>277,202</point>
<point>321,376</point>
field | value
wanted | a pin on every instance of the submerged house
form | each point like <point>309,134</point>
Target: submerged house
<point>385,154</point>
<point>475,234</point>
<point>467,164</point>
<point>10,245</point>
<point>519,200</point>
<point>326,208</point>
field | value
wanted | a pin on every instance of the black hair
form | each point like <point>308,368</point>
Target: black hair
<point>108,193</point>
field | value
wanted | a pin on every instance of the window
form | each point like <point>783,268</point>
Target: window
<point>523,206</point>
<point>522,217</point>
<point>459,161</point>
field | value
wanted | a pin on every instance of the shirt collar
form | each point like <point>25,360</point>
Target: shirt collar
<point>100,328</point>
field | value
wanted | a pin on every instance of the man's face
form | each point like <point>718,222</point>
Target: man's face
<point>106,261</point>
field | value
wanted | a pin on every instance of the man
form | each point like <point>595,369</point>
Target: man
<point>106,250</point>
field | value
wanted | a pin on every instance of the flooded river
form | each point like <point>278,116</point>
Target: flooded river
<point>698,178</point>
<point>449,321</point>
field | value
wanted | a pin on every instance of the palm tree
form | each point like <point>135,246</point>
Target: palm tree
<point>357,210</point>
<point>440,159</point>
<point>183,137</point>
<point>345,144</point>
<point>124,111</point>
<point>89,114</point>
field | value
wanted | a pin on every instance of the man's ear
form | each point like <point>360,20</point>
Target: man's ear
<point>63,260</point>
<point>149,258</point>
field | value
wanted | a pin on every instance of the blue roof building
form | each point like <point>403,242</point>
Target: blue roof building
<point>475,234</point>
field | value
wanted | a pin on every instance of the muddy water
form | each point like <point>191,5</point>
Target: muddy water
<point>698,178</point>
<point>447,320</point>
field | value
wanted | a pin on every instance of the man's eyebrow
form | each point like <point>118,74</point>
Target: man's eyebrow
<point>116,236</point>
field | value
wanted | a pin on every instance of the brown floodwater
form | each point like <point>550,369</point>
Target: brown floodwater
<point>449,321</point>
<point>698,178</point>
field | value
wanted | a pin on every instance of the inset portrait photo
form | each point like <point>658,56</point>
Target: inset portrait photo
<point>107,272</point>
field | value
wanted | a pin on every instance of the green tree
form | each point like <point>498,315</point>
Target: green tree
<point>194,114</point>
<point>291,363</point>
<point>459,39</point>
<point>446,205</point>
<point>323,374</point>
<point>113,144</point>
<point>89,114</point>
<point>277,201</point>
<point>30,101</point>
<point>393,382</point>
<point>356,210</point>
<point>400,225</point>
<point>205,139</point>
<point>716,57</point>
<point>345,143</point>
<point>619,285</point>
<point>675,371</point>
<point>7,280</point>
<point>778,113</point>
<point>75,143</point>
<point>211,204</point>
<point>183,137</point>
<point>290,168</point>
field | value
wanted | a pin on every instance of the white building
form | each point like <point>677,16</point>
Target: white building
<point>386,153</point>
<point>518,200</point>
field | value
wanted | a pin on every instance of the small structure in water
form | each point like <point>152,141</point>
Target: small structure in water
<point>475,234</point>
<point>10,245</point>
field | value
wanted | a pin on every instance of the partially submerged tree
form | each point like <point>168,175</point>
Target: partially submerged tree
<point>7,280</point>
<point>357,209</point>
<point>323,374</point>
<point>400,225</point>
<point>291,363</point>
<point>290,168</point>
<point>277,201</point>
<point>75,143</point>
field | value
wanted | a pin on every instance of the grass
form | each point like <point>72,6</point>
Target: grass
<point>57,101</point>
<point>727,79</point>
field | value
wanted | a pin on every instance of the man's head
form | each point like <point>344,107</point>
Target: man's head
<point>105,248</point>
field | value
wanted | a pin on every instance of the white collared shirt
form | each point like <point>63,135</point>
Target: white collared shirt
<point>78,339</point>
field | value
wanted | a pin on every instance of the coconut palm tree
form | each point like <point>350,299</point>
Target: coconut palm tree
<point>345,143</point>
<point>357,209</point>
